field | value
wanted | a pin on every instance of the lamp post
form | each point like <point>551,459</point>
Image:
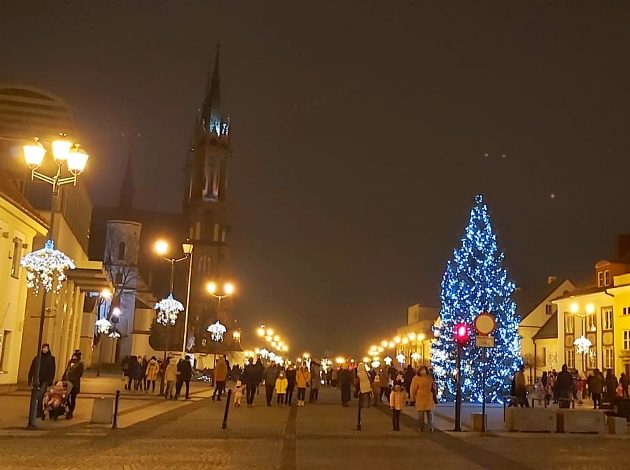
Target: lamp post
<point>582,344</point>
<point>75,159</point>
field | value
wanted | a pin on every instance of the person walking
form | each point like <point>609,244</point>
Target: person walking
<point>303,377</point>
<point>396,402</point>
<point>143,371</point>
<point>376,388</point>
<point>409,375</point>
<point>220,378</point>
<point>270,375</point>
<point>73,374</point>
<point>520,389</point>
<point>291,378</point>
<point>611,386</point>
<point>45,377</point>
<point>281,388</point>
<point>422,396</point>
<point>124,365</point>
<point>170,376</point>
<point>345,384</point>
<point>383,379</point>
<point>184,374</point>
<point>250,378</point>
<point>365,387</point>
<point>135,374</point>
<point>334,377</point>
<point>623,382</point>
<point>597,388</point>
<point>151,374</point>
<point>316,379</point>
<point>238,393</point>
<point>260,369</point>
<point>563,387</point>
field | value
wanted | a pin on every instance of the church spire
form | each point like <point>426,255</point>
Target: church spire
<point>211,117</point>
<point>125,203</point>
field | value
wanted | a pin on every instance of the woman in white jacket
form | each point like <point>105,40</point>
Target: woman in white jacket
<point>365,386</point>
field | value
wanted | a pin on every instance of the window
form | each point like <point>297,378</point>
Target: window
<point>607,278</point>
<point>569,323</point>
<point>5,342</point>
<point>16,257</point>
<point>626,340</point>
<point>607,318</point>
<point>600,279</point>
<point>550,309</point>
<point>626,310</point>
<point>121,251</point>
<point>119,279</point>
<point>570,358</point>
<point>591,322</point>
<point>609,357</point>
<point>204,264</point>
<point>215,237</point>
<point>591,362</point>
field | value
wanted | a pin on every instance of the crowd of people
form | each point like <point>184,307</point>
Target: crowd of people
<point>399,388</point>
<point>570,385</point>
<point>141,375</point>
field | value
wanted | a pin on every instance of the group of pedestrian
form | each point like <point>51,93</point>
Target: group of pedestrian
<point>141,374</point>
<point>176,375</point>
<point>41,376</point>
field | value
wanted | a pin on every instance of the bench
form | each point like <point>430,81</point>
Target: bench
<point>586,421</point>
<point>617,425</point>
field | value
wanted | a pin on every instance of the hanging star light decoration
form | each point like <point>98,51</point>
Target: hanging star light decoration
<point>401,358</point>
<point>217,330</point>
<point>46,268</point>
<point>388,361</point>
<point>103,326</point>
<point>167,310</point>
<point>582,345</point>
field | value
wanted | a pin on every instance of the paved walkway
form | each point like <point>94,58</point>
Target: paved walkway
<point>319,436</point>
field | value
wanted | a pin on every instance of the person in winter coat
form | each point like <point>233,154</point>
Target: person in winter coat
<point>135,374</point>
<point>611,386</point>
<point>383,379</point>
<point>291,375</point>
<point>597,387</point>
<point>623,381</point>
<point>376,388</point>
<point>250,378</point>
<point>345,384</point>
<point>124,364</point>
<point>220,377</point>
<point>73,374</point>
<point>270,375</point>
<point>238,393</point>
<point>316,379</point>
<point>396,401</point>
<point>564,385</point>
<point>260,369</point>
<point>334,378</point>
<point>519,388</point>
<point>151,374</point>
<point>184,375</point>
<point>302,379</point>
<point>409,375</point>
<point>170,375</point>
<point>422,394</point>
<point>365,387</point>
<point>43,378</point>
<point>281,388</point>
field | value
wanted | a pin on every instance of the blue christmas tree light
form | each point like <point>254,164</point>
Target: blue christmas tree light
<point>475,281</point>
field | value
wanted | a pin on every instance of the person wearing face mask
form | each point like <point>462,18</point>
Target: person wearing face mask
<point>44,378</point>
<point>422,395</point>
<point>73,374</point>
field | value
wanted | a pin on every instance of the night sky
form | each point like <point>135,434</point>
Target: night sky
<point>361,132</point>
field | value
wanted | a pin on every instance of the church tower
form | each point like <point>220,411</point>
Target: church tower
<point>206,210</point>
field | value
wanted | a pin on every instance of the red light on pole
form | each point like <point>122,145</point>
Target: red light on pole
<point>462,334</point>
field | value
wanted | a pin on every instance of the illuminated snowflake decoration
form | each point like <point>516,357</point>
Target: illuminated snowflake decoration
<point>114,334</point>
<point>582,345</point>
<point>167,310</point>
<point>388,361</point>
<point>46,268</point>
<point>217,330</point>
<point>103,326</point>
<point>401,358</point>
<point>264,353</point>
<point>415,356</point>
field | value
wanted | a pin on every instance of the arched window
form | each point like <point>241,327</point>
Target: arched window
<point>119,279</point>
<point>121,250</point>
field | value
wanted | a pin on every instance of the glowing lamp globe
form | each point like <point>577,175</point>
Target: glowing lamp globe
<point>61,149</point>
<point>34,154</point>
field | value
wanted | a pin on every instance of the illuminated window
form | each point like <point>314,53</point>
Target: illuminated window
<point>600,279</point>
<point>5,337</point>
<point>607,278</point>
<point>609,357</point>
<point>570,358</point>
<point>626,310</point>
<point>591,362</point>
<point>607,318</point>
<point>569,323</point>
<point>591,322</point>
<point>16,257</point>
<point>626,340</point>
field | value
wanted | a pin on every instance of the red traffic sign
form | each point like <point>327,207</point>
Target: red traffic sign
<point>485,323</point>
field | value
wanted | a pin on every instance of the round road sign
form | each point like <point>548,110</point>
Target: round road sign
<point>485,323</point>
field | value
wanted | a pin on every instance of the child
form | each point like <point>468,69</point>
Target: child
<point>281,387</point>
<point>238,393</point>
<point>396,400</point>
<point>55,395</point>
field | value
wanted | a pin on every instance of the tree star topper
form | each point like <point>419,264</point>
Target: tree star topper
<point>46,268</point>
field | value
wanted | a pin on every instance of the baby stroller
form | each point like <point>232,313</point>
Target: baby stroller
<point>56,399</point>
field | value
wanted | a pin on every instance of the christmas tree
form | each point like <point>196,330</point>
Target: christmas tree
<point>475,281</point>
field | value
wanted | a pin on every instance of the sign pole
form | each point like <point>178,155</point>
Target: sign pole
<point>458,393</point>
<point>484,357</point>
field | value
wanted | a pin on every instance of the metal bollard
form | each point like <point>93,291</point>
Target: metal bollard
<point>227,409</point>
<point>359,412</point>
<point>115,420</point>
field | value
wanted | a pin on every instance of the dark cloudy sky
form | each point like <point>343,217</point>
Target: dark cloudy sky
<point>360,131</point>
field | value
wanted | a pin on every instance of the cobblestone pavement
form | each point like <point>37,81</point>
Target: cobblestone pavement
<point>320,436</point>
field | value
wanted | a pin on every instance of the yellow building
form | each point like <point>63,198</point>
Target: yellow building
<point>621,323</point>
<point>19,224</point>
